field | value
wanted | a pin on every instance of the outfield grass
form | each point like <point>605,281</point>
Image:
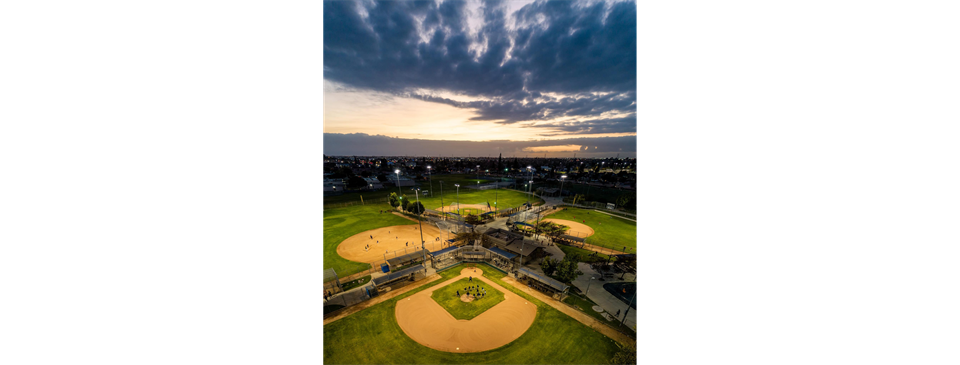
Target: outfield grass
<point>613,233</point>
<point>505,199</point>
<point>448,299</point>
<point>340,223</point>
<point>372,336</point>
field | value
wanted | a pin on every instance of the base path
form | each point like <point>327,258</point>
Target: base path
<point>391,239</point>
<point>574,226</point>
<point>426,322</point>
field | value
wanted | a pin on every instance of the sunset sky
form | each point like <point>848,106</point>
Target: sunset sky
<point>517,77</point>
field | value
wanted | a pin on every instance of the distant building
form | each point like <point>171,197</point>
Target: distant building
<point>373,183</point>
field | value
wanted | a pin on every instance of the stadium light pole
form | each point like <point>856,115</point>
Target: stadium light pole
<point>458,198</point>
<point>442,216</point>
<point>397,171</point>
<point>430,176</point>
<point>531,178</point>
<point>419,220</point>
<point>562,177</point>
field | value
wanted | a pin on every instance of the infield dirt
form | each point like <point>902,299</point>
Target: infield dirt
<point>393,238</point>
<point>426,322</point>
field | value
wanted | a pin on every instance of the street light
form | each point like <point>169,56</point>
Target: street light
<point>588,285</point>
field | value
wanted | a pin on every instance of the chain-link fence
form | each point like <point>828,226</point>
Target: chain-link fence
<point>358,202</point>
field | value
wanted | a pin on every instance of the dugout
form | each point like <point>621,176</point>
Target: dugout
<point>571,240</point>
<point>445,257</point>
<point>502,259</point>
<point>397,277</point>
<point>331,282</point>
<point>543,283</point>
<point>408,259</point>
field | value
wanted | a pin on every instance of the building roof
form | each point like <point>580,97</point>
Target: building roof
<point>551,282</point>
<point>524,248</point>
<point>396,275</point>
<point>446,250</point>
<point>408,257</point>
<point>502,252</point>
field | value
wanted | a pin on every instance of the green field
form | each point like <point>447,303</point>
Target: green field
<point>448,299</point>
<point>504,199</point>
<point>372,336</point>
<point>613,233</point>
<point>340,223</point>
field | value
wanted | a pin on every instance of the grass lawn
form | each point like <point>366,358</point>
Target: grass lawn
<point>340,223</point>
<point>448,299</point>
<point>584,254</point>
<point>613,233</point>
<point>505,199</point>
<point>331,308</point>
<point>356,283</point>
<point>372,336</point>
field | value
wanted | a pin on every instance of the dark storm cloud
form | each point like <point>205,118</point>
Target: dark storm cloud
<point>361,144</point>
<point>564,47</point>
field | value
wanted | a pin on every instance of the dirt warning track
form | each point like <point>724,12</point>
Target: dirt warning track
<point>426,322</point>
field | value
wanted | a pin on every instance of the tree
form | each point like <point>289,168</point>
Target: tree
<point>356,182</point>
<point>567,270</point>
<point>366,173</point>
<point>628,201</point>
<point>469,237</point>
<point>548,265</point>
<point>626,355</point>
<point>394,200</point>
<point>414,207</point>
<point>382,178</point>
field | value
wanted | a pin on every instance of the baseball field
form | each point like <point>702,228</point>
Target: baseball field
<point>349,225</point>
<point>413,328</point>
<point>608,231</point>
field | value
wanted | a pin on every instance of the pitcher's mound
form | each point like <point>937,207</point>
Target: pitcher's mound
<point>466,298</point>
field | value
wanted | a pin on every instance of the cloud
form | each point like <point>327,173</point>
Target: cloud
<point>583,53</point>
<point>362,144</point>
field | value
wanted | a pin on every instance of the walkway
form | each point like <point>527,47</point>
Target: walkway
<point>601,296</point>
<point>573,313</point>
